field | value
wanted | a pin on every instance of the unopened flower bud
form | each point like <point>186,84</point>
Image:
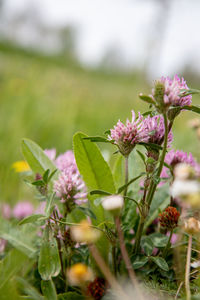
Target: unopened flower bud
<point>169,218</point>
<point>113,204</point>
<point>84,233</point>
<point>79,274</point>
<point>192,226</point>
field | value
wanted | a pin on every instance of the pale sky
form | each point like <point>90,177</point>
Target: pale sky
<point>127,24</point>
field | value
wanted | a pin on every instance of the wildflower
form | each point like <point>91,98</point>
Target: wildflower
<point>167,92</point>
<point>155,129</point>
<point>66,161</point>
<point>21,166</point>
<point>79,274</point>
<point>70,188</point>
<point>84,233</point>
<point>192,226</point>
<point>113,204</point>
<point>173,158</point>
<point>127,136</point>
<point>97,288</point>
<point>169,218</point>
<point>23,210</point>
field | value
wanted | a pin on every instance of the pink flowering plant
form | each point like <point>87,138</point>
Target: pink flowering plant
<point>95,224</point>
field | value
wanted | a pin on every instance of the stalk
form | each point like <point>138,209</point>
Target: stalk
<point>152,188</point>
<point>187,269</point>
<point>126,174</point>
<point>168,244</point>
<point>126,257</point>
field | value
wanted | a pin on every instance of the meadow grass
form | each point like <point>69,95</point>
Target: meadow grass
<point>49,99</point>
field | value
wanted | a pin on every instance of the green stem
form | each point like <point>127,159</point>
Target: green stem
<point>114,259</point>
<point>168,244</point>
<point>126,175</point>
<point>139,234</point>
<point>187,269</point>
<point>153,185</point>
<point>152,188</point>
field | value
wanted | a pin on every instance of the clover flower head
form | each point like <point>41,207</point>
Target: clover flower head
<point>97,288</point>
<point>79,274</point>
<point>174,158</point>
<point>172,90</point>
<point>169,218</point>
<point>155,129</point>
<point>126,136</point>
<point>70,188</point>
<point>66,161</point>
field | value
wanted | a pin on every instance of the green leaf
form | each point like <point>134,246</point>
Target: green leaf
<point>140,262</point>
<point>97,139</point>
<point>146,98</point>
<point>142,156</point>
<point>160,262</point>
<point>88,212</point>
<point>32,219</point>
<point>97,176</point>
<point>123,187</point>
<point>159,240</point>
<point>151,145</point>
<point>49,261</point>
<point>185,92</point>
<point>100,192</point>
<point>119,171</point>
<point>49,204</point>
<point>46,175</point>
<point>10,265</point>
<point>48,289</point>
<point>147,245</point>
<point>38,183</point>
<point>193,108</point>
<point>70,296</point>
<point>36,158</point>
<point>21,238</point>
<point>28,289</point>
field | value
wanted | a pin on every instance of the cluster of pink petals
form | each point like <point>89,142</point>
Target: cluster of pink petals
<point>126,136</point>
<point>155,130</point>
<point>173,158</point>
<point>173,89</point>
<point>70,186</point>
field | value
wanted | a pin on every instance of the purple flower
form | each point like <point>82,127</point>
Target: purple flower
<point>51,153</point>
<point>22,210</point>
<point>155,129</point>
<point>173,158</point>
<point>70,188</point>
<point>128,135</point>
<point>172,90</point>
<point>66,161</point>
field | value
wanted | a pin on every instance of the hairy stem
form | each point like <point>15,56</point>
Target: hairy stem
<point>168,244</point>
<point>187,269</point>
<point>126,175</point>
<point>152,188</point>
<point>126,257</point>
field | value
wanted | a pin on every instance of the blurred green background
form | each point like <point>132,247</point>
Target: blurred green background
<point>49,98</point>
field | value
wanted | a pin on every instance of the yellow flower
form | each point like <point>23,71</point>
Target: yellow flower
<point>79,274</point>
<point>21,166</point>
<point>84,233</point>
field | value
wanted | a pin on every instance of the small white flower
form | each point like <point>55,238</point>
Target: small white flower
<point>183,171</point>
<point>184,187</point>
<point>113,203</point>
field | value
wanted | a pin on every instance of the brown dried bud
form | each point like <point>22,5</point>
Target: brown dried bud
<point>169,218</point>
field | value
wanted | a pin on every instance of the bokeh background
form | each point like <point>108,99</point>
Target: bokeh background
<point>68,66</point>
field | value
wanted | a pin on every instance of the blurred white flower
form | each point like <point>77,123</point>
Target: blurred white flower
<point>113,203</point>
